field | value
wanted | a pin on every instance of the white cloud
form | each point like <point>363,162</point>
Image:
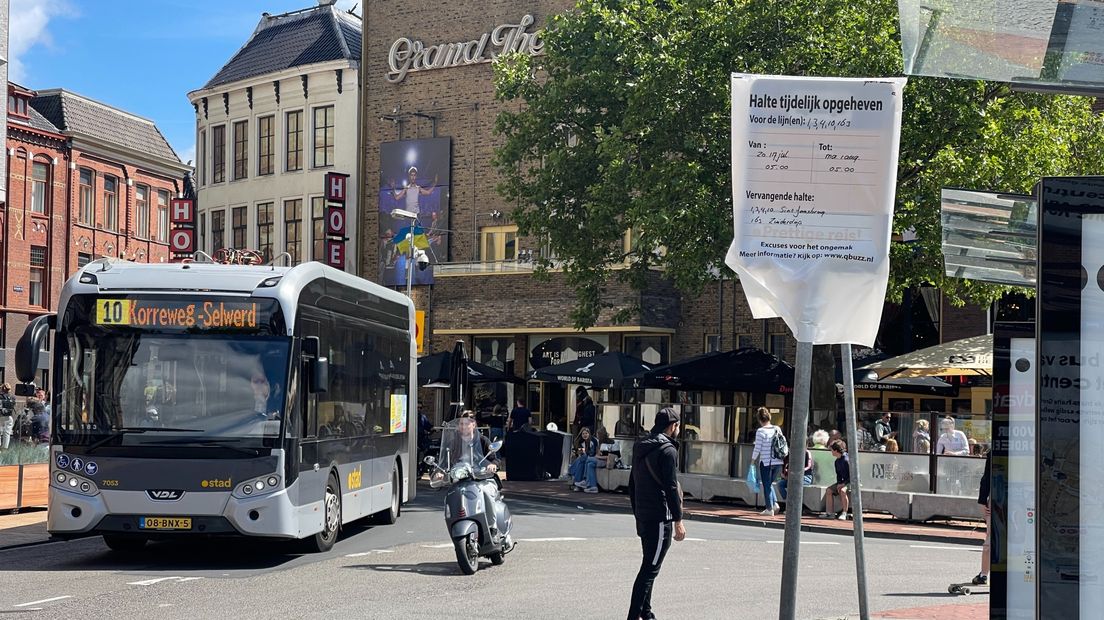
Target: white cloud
<point>28,26</point>
<point>345,5</point>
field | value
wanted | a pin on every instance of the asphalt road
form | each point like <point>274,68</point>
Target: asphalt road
<point>569,563</point>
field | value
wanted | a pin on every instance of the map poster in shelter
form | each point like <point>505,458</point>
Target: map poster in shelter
<point>814,166</point>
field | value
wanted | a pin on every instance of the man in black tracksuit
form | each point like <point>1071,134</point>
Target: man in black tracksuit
<point>656,499</point>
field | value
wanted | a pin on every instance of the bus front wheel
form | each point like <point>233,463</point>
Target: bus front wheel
<point>331,519</point>
<point>124,544</point>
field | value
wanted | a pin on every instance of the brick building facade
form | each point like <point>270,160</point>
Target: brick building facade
<point>85,181</point>
<point>422,80</point>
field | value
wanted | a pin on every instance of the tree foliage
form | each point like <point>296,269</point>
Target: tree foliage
<point>624,123</point>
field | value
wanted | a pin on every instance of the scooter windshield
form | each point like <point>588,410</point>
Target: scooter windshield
<point>461,442</point>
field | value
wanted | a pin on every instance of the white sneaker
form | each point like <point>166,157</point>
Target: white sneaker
<point>776,507</point>
<point>842,516</point>
<point>767,513</point>
<point>590,490</point>
<point>581,484</point>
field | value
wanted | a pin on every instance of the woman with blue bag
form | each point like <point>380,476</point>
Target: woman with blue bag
<point>770,449</point>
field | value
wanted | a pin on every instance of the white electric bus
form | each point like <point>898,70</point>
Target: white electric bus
<point>211,399</point>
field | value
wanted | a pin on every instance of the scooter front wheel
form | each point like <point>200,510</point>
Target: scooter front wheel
<point>467,553</point>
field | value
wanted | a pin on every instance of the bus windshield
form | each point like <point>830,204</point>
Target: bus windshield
<point>139,388</point>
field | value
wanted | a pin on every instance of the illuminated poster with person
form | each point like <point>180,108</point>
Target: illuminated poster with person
<point>414,177</point>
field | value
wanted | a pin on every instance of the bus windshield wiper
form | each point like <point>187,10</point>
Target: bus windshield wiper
<point>137,430</point>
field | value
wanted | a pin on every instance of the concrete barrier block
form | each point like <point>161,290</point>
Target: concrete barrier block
<point>813,498</point>
<point>926,507</point>
<point>691,486</point>
<point>612,479</point>
<point>896,503</point>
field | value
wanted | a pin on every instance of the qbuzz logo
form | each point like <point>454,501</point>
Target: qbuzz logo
<point>164,495</point>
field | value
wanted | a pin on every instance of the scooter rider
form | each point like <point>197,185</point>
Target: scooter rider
<point>469,445</point>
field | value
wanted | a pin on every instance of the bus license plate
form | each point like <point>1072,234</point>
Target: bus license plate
<point>164,523</point>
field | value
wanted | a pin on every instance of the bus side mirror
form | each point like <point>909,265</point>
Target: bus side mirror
<point>319,375</point>
<point>29,347</point>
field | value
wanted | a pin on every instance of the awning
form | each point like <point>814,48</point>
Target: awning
<point>740,370</point>
<point>969,356</point>
<point>911,385</point>
<point>609,369</point>
<point>433,371</point>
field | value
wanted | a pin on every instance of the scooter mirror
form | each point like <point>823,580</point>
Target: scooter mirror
<point>496,445</point>
<point>429,460</point>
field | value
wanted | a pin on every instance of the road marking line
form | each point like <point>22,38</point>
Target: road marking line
<point>695,539</point>
<point>385,551</point>
<point>358,555</point>
<point>804,542</point>
<point>150,582</point>
<point>444,546</point>
<point>974,549</point>
<point>45,600</point>
<point>564,539</point>
<point>183,579</point>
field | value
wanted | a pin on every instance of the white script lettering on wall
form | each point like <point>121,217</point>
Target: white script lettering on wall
<point>408,56</point>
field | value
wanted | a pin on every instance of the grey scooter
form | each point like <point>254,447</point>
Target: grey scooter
<point>476,516</point>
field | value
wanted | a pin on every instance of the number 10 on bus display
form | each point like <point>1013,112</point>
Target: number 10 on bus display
<point>113,312</point>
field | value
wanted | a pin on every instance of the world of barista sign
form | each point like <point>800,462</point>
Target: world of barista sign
<point>410,56</point>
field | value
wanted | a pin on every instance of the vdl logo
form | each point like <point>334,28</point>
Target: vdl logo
<point>164,495</point>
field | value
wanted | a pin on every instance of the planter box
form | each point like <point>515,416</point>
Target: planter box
<point>22,486</point>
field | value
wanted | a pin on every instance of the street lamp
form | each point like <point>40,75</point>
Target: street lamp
<point>413,217</point>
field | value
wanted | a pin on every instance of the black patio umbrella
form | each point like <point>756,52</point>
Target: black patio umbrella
<point>932,386</point>
<point>610,369</point>
<point>436,369</point>
<point>741,370</point>
<point>459,381</point>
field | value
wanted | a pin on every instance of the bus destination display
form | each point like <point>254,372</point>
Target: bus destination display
<point>160,314</point>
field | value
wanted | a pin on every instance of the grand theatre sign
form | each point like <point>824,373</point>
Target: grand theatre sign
<point>408,56</point>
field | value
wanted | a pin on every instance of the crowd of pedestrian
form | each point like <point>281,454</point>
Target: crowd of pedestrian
<point>29,426</point>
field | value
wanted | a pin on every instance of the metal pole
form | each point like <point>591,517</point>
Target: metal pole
<point>410,258</point>
<point>856,491</point>
<point>787,605</point>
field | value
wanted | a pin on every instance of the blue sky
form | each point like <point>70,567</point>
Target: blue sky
<point>143,57</point>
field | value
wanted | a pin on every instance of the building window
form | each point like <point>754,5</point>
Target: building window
<point>778,345</point>
<point>218,154</point>
<point>712,343</point>
<point>202,161</point>
<point>37,281</point>
<point>294,140</point>
<point>323,136</point>
<point>264,230</point>
<point>239,222</point>
<point>499,243</point>
<point>40,178</point>
<point>162,215</point>
<point>241,150</point>
<point>745,341</point>
<point>83,258</point>
<point>111,203</point>
<point>654,350</point>
<point>293,229</point>
<point>141,204</point>
<point>203,231</point>
<point>265,144</point>
<point>87,197</point>
<point>318,228</point>
<point>218,230</point>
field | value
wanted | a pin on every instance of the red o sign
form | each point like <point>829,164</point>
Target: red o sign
<point>183,240</point>
<point>335,221</point>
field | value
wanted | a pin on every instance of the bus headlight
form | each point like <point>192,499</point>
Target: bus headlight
<point>258,486</point>
<point>74,484</point>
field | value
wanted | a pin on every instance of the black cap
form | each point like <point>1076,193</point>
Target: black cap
<point>665,417</point>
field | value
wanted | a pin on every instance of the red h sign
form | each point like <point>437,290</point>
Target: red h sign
<point>335,186</point>
<point>182,211</point>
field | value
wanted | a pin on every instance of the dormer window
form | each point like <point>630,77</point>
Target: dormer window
<point>17,106</point>
<point>19,101</point>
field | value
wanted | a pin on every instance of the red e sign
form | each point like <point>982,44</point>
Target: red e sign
<point>335,254</point>
<point>182,211</point>
<point>335,186</point>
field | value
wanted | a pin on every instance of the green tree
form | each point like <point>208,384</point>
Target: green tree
<point>624,124</point>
